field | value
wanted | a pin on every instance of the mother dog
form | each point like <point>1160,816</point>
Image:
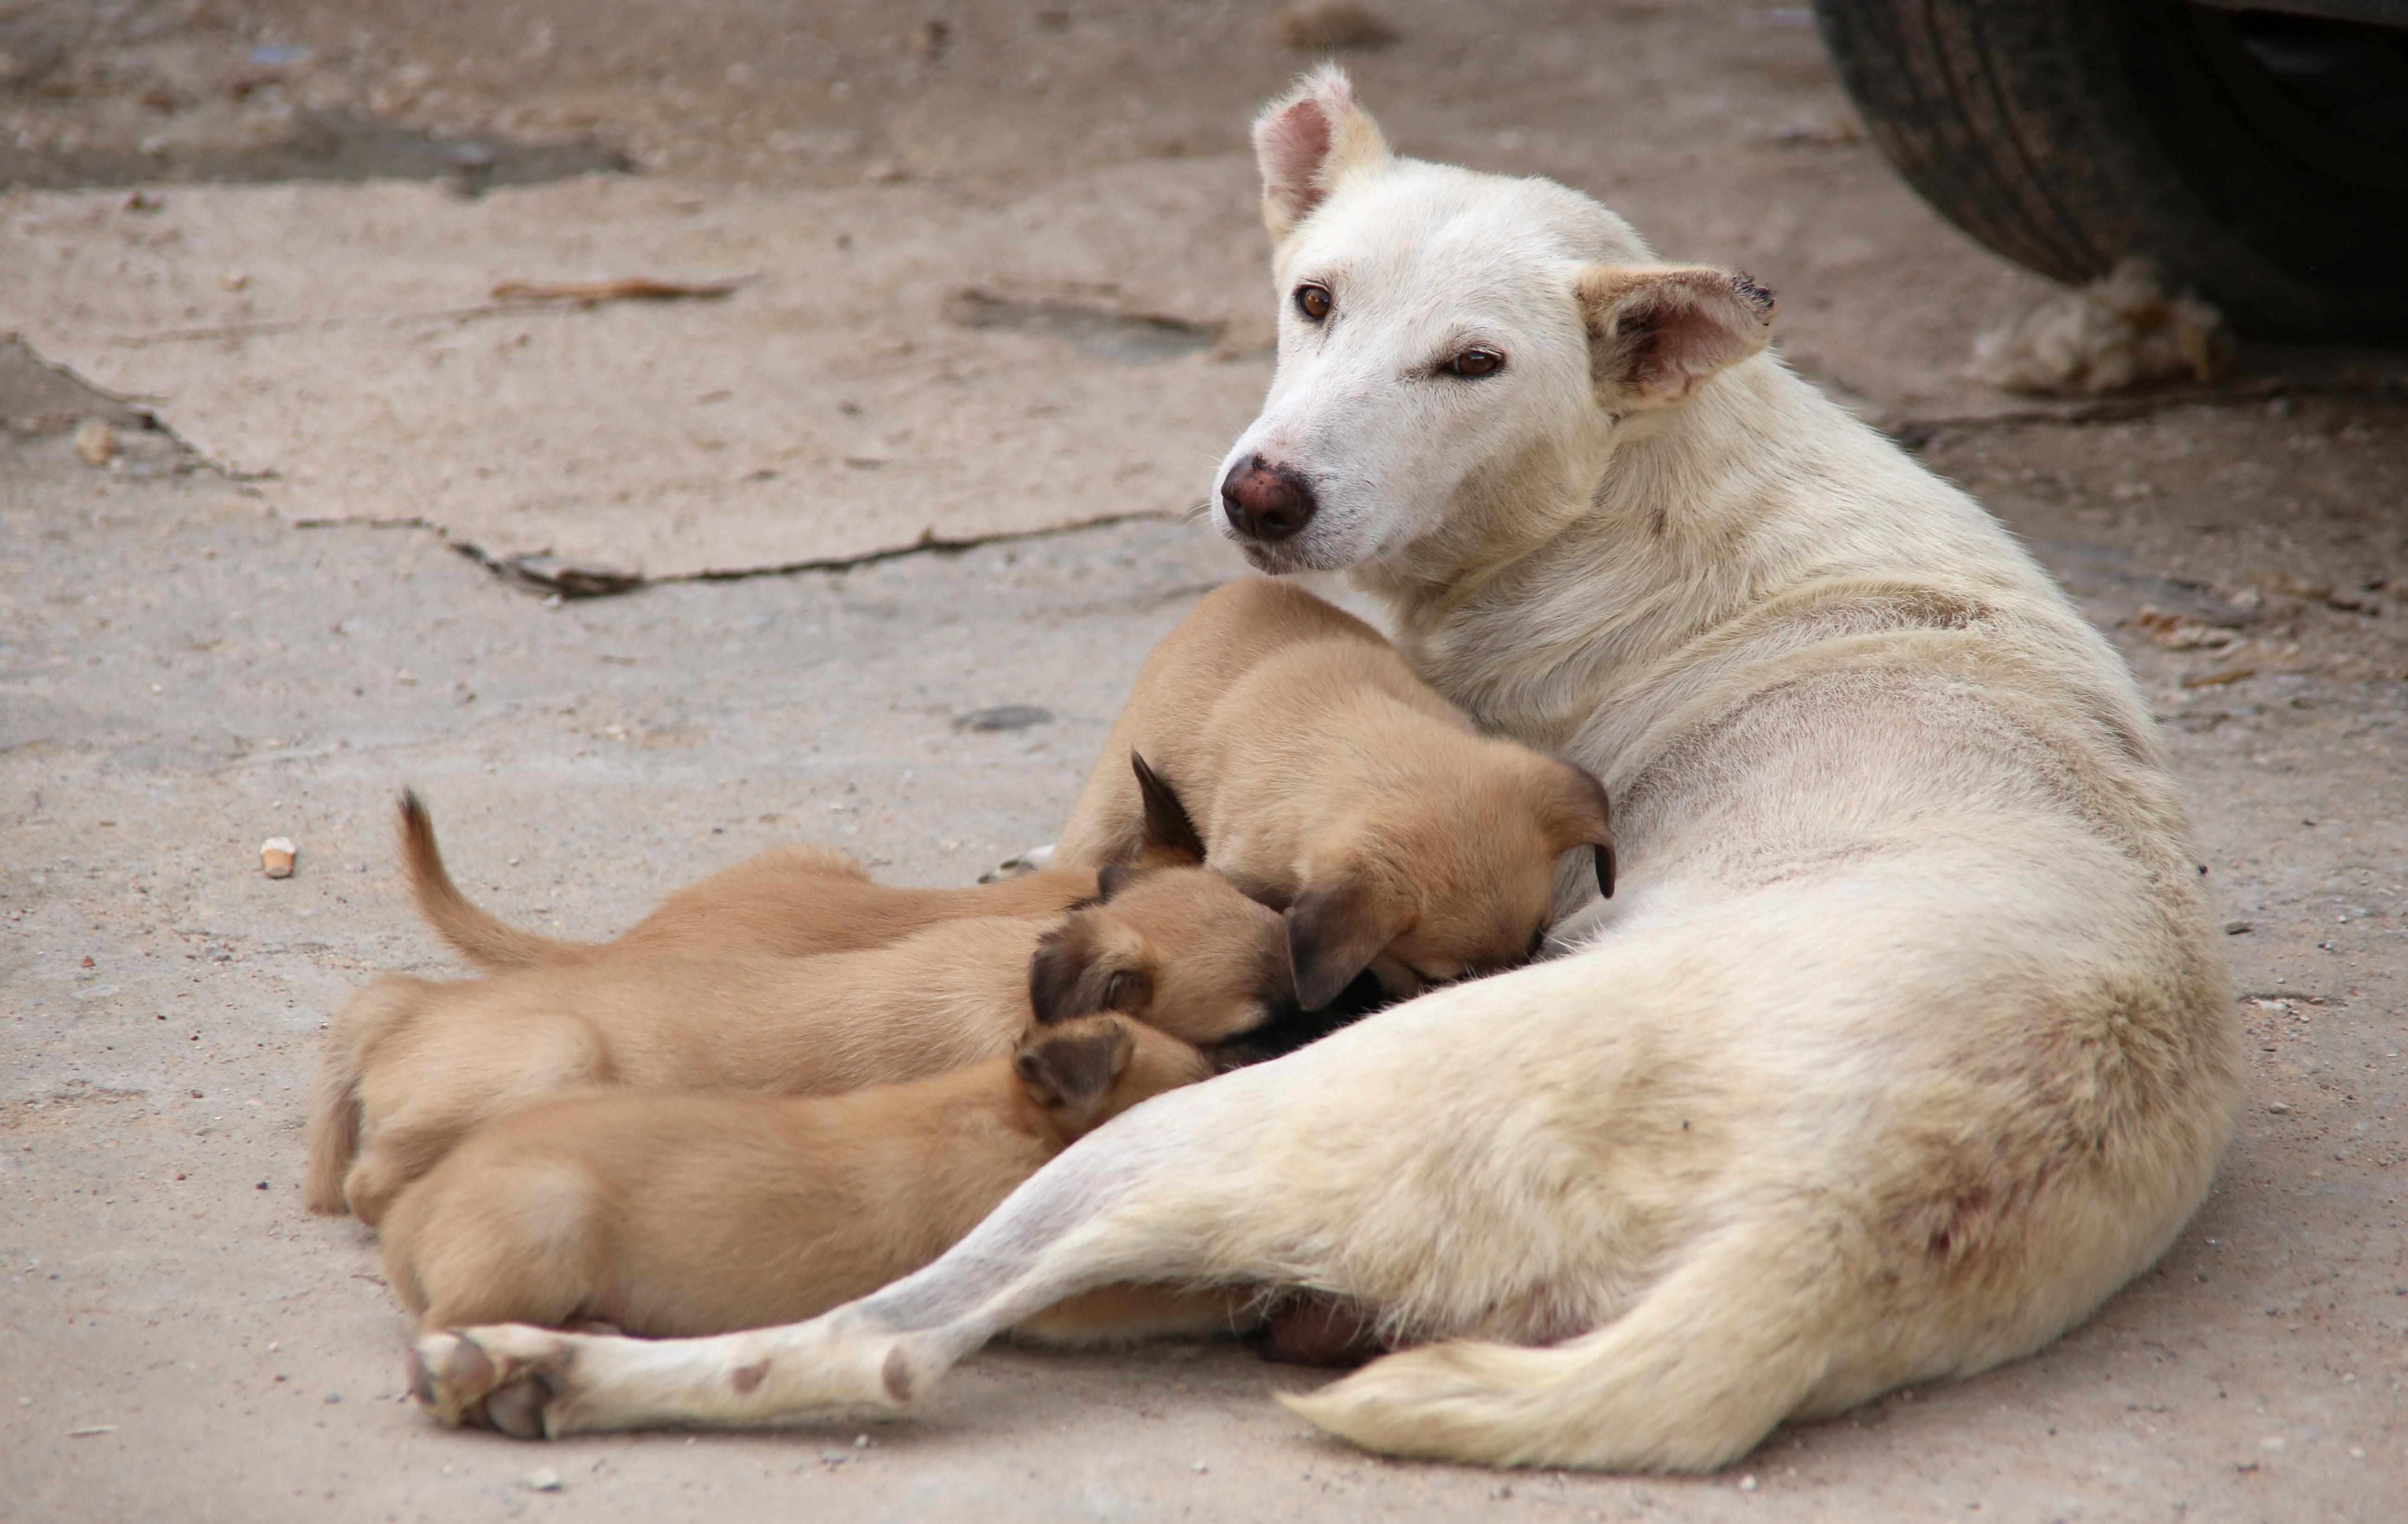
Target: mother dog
<point>1907,1042</point>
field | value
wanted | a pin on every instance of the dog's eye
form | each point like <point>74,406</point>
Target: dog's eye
<point>1313,302</point>
<point>1475,362</point>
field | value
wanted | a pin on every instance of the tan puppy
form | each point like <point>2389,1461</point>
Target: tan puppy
<point>1320,773</point>
<point>699,1214</point>
<point>413,1065</point>
<point>791,902</point>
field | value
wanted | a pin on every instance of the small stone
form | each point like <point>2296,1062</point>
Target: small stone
<point>543,1479</point>
<point>2278,1109</point>
<point>95,441</point>
<point>861,1442</point>
<point>276,857</point>
<point>2234,928</point>
<point>1747,1484</point>
<point>1199,1468</point>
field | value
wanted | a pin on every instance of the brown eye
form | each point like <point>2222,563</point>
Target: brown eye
<point>1475,362</point>
<point>1313,302</point>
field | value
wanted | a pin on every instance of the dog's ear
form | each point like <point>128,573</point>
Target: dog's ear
<point>1170,834</point>
<point>1579,815</point>
<point>1074,1068</point>
<point>1656,334</point>
<point>1080,970</point>
<point>1112,878</point>
<point>1307,141</point>
<point>1334,930</point>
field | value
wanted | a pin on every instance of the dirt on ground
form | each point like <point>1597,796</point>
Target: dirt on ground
<point>185,672</point>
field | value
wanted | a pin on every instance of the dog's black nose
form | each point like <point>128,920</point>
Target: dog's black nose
<point>1266,501</point>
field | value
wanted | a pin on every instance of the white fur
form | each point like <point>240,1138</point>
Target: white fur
<point>1906,1042</point>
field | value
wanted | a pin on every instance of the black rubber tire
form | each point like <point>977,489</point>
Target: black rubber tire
<point>2261,159</point>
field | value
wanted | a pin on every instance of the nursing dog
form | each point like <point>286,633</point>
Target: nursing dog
<point>1907,1041</point>
<point>683,1213</point>
<point>1310,766</point>
<point>788,902</point>
<point>411,1065</point>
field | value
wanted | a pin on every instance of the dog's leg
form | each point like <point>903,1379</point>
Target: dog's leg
<point>1071,1229</point>
<point>1199,1187</point>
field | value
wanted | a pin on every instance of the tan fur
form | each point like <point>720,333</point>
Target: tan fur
<point>698,1214</point>
<point>1907,1042</point>
<point>1323,775</point>
<point>791,901</point>
<point>411,1065</point>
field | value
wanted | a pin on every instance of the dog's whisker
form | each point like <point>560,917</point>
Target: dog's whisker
<point>1195,514</point>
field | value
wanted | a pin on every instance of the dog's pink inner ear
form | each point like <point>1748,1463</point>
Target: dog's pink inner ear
<point>1305,142</point>
<point>1291,146</point>
<point>1655,335</point>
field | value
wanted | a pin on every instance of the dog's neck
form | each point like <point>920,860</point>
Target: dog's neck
<point>1564,583</point>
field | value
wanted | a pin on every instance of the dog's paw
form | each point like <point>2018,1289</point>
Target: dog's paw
<point>506,1377</point>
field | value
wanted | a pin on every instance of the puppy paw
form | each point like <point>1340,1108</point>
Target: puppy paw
<point>508,1378</point>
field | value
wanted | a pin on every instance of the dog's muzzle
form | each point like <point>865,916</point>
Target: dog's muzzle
<point>1266,502</point>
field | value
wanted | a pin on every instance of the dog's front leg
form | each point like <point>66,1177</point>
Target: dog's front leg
<point>1059,1234</point>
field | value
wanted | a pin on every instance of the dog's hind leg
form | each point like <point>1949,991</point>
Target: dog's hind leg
<point>1731,1341</point>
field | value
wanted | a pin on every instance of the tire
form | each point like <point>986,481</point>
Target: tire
<point>2261,159</point>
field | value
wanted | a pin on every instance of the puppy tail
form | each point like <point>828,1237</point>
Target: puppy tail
<point>363,1022</point>
<point>476,934</point>
<point>1689,1379</point>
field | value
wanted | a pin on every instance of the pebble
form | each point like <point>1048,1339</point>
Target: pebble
<point>543,1479</point>
<point>1747,1484</point>
<point>276,857</point>
<point>2278,1109</point>
<point>95,441</point>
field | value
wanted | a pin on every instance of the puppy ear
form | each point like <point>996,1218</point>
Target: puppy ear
<point>1579,815</point>
<point>1075,973</point>
<point>1112,878</point>
<point>1074,1068</point>
<point>1170,834</point>
<point>1334,931</point>
<point>1309,139</point>
<point>1655,335</point>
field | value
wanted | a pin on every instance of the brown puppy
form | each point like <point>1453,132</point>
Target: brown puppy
<point>791,901</point>
<point>1320,773</point>
<point>699,1214</point>
<point>413,1065</point>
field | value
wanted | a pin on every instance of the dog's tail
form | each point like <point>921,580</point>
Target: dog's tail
<point>1727,1345</point>
<point>476,934</point>
<point>365,1020</point>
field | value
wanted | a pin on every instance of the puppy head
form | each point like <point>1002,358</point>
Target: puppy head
<point>1438,885</point>
<point>1082,1072</point>
<point>1453,348</point>
<point>1178,948</point>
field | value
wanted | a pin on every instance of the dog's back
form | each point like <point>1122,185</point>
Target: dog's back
<point>791,901</point>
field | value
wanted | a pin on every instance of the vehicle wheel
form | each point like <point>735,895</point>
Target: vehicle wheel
<point>2260,158</point>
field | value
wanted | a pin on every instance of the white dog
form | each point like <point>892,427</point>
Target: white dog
<point>1907,1042</point>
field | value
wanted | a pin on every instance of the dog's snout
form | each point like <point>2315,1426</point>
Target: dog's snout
<point>1264,501</point>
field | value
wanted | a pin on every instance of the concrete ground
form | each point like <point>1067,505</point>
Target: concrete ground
<point>185,674</point>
